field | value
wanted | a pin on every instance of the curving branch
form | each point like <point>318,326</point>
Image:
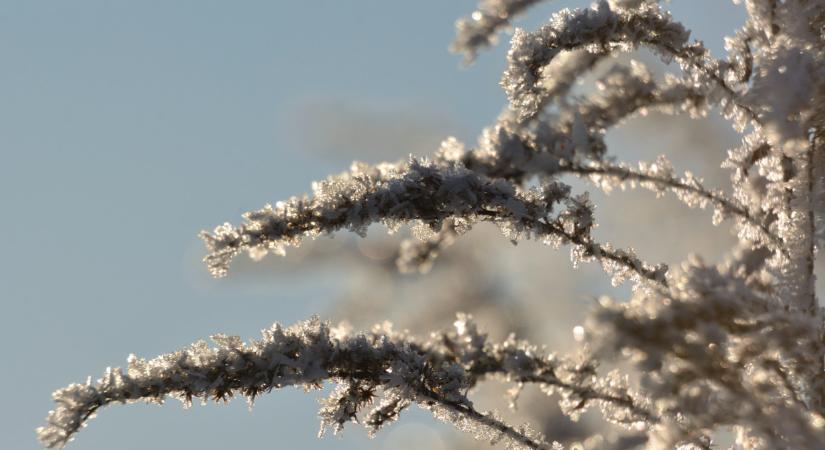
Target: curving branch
<point>479,30</point>
<point>389,366</point>
<point>598,29</point>
<point>509,150</point>
<point>565,70</point>
<point>428,193</point>
<point>659,177</point>
<point>601,29</point>
<point>561,148</point>
<point>417,255</point>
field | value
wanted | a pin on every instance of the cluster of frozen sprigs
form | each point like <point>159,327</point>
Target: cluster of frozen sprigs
<point>739,345</point>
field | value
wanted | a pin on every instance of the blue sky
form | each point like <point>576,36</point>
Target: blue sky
<point>127,127</point>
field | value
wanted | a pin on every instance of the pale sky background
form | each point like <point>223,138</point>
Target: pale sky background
<point>127,127</point>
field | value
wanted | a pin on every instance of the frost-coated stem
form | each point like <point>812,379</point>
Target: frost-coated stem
<point>479,30</point>
<point>435,374</point>
<point>688,191</point>
<point>600,29</point>
<point>517,438</point>
<point>428,193</point>
<point>813,304</point>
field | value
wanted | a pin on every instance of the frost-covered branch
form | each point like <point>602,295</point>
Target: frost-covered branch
<point>306,355</point>
<point>509,150</point>
<point>559,77</point>
<point>389,193</point>
<point>601,29</point>
<point>719,353</point>
<point>486,427</point>
<point>659,177</point>
<point>418,255</point>
<point>390,369</point>
<point>427,193</point>
<point>504,152</point>
<point>479,30</point>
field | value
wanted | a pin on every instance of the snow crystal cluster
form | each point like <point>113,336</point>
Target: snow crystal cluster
<point>698,350</point>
